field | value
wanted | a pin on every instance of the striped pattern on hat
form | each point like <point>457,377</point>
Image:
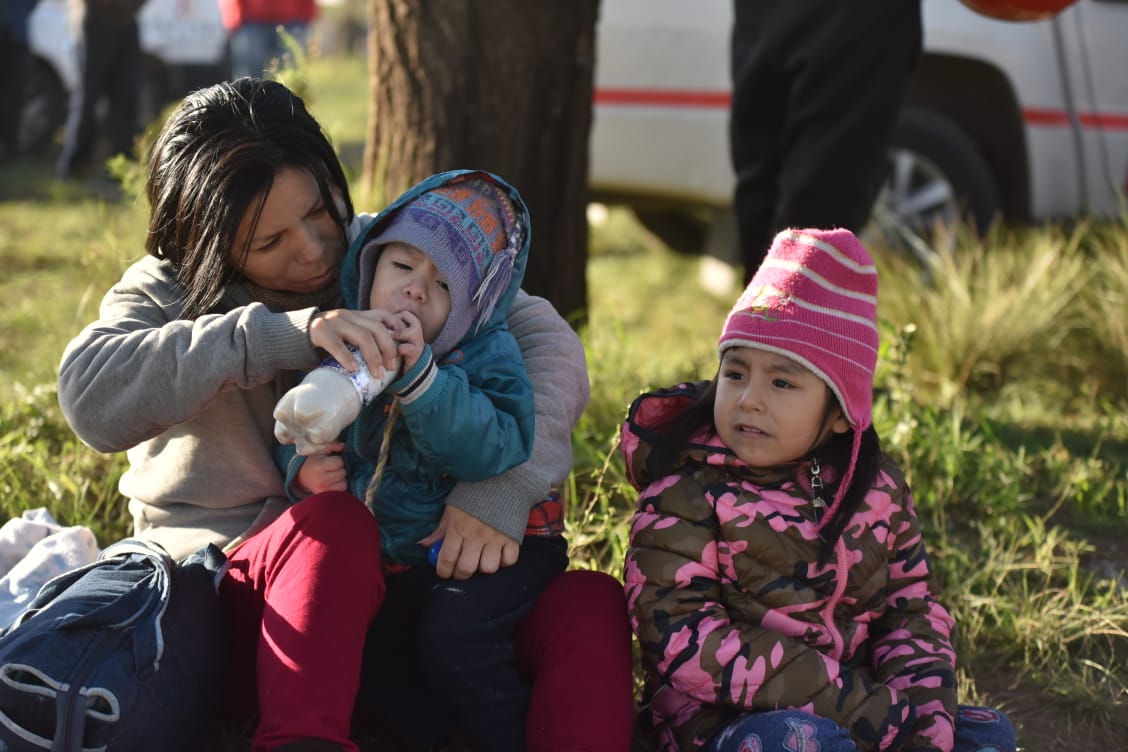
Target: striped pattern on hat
<point>814,300</point>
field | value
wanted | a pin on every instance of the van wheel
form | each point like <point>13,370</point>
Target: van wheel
<point>44,110</point>
<point>936,176</point>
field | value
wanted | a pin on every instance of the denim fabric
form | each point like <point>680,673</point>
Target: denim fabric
<point>125,653</point>
<point>255,46</point>
<point>977,730</point>
<point>440,656</point>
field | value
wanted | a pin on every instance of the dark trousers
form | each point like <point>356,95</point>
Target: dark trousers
<point>15,64</point>
<point>440,658</point>
<point>817,85</point>
<point>109,64</point>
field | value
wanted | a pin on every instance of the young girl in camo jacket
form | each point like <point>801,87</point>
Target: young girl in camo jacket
<point>776,577</point>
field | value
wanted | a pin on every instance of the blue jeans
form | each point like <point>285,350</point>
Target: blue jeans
<point>977,730</point>
<point>255,46</point>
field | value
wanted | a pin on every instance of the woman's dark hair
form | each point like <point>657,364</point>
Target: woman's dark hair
<point>674,435</point>
<point>218,152</point>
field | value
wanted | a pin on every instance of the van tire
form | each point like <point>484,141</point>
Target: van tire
<point>938,151</point>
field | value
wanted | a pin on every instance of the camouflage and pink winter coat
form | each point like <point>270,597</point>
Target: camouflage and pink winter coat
<point>734,615</point>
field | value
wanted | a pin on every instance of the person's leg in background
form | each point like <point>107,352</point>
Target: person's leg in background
<point>298,598</point>
<point>756,120</point>
<point>251,47</point>
<point>15,62</point>
<point>817,87</point>
<point>78,139</point>
<point>576,643</point>
<point>852,66</point>
<point>123,86</point>
<point>299,33</point>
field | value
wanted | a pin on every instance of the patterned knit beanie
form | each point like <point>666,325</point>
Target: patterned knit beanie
<point>469,228</point>
<point>814,300</point>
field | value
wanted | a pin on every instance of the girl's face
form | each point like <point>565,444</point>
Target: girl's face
<point>406,280</point>
<point>769,409</point>
<point>297,244</point>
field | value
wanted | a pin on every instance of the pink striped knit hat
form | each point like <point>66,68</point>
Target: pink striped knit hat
<point>814,300</point>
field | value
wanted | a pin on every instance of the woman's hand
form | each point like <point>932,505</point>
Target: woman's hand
<point>470,546</point>
<point>369,331</point>
<point>324,472</point>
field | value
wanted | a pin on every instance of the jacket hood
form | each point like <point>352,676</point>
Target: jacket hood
<point>356,258</point>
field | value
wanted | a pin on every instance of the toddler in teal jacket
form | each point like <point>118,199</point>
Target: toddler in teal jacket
<point>443,264</point>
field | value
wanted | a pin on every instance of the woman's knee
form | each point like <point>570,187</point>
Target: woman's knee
<point>581,614</point>
<point>585,600</point>
<point>341,522</point>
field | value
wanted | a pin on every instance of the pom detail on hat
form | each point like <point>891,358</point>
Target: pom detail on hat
<point>814,300</point>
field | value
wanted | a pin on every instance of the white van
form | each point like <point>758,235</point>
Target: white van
<point>1024,120</point>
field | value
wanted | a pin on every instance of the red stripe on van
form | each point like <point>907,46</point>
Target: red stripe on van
<point>1060,118</point>
<point>663,98</point>
<point>627,97</point>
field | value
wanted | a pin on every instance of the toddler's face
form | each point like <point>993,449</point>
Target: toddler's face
<point>406,280</point>
<point>769,409</point>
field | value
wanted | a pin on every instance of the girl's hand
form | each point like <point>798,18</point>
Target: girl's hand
<point>409,338</point>
<point>324,472</point>
<point>369,331</point>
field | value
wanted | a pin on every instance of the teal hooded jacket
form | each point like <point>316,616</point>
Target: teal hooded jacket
<point>468,416</point>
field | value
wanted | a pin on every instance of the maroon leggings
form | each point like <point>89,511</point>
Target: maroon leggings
<point>296,645</point>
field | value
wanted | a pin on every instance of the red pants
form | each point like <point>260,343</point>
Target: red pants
<point>296,644</point>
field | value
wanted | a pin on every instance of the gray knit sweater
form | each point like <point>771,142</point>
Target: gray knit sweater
<point>191,403</point>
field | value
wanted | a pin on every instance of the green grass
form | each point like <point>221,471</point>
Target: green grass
<point>1002,392</point>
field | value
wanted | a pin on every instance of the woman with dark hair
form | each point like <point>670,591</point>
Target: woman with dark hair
<point>249,220</point>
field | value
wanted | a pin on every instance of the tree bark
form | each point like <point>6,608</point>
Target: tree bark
<point>500,85</point>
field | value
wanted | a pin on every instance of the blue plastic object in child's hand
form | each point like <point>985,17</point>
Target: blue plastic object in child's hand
<point>433,552</point>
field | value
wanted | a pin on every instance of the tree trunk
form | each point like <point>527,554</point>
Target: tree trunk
<point>500,85</point>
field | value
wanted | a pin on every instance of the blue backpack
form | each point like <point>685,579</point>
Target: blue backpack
<point>123,654</point>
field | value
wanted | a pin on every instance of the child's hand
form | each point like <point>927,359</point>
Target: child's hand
<point>324,472</point>
<point>470,546</point>
<point>408,335</point>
